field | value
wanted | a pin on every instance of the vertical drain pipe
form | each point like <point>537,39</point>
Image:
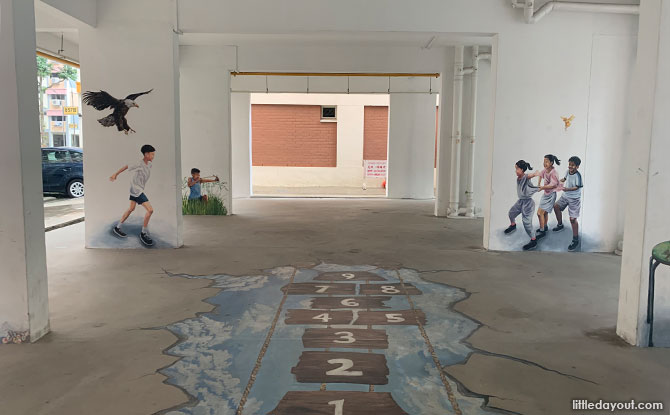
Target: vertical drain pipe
<point>469,192</point>
<point>456,133</point>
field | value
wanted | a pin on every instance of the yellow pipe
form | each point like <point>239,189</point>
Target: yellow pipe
<point>425,75</point>
<point>57,59</point>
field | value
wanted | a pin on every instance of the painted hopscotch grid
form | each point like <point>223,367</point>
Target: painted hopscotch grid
<point>246,349</point>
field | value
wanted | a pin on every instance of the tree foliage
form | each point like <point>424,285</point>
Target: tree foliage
<point>68,72</point>
<point>44,68</point>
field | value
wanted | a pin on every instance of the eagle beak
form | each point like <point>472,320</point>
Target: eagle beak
<point>137,106</point>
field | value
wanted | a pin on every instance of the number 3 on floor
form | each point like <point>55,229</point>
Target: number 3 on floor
<point>345,337</point>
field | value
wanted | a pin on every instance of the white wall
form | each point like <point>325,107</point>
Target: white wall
<point>411,148</point>
<point>240,113</point>
<point>117,61</point>
<point>608,133</point>
<point>23,281</point>
<point>531,98</point>
<point>82,10</point>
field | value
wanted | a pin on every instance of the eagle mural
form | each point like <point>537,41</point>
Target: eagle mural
<point>102,100</point>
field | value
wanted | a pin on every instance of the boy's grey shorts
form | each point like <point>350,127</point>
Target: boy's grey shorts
<point>547,201</point>
<point>574,205</point>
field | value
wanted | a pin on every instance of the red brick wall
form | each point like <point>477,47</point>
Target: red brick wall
<point>292,135</point>
<point>375,133</point>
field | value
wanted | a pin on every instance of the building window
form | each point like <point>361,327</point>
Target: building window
<point>57,100</point>
<point>57,118</point>
<point>59,140</point>
<point>328,113</point>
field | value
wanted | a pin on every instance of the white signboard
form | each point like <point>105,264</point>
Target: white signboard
<point>375,168</point>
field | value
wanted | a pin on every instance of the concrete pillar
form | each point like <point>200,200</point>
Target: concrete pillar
<point>240,110</point>
<point>350,138</point>
<point>24,307</point>
<point>206,114</point>
<point>443,172</point>
<point>648,175</point>
<point>133,49</point>
<point>411,148</point>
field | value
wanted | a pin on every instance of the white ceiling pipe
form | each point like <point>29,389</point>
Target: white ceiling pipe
<point>534,16</point>
<point>456,132</point>
<point>470,190</point>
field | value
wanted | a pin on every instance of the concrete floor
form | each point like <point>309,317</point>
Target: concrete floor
<point>60,210</point>
<point>547,333</point>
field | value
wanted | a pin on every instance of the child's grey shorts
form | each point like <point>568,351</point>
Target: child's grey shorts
<point>547,201</point>
<point>574,205</point>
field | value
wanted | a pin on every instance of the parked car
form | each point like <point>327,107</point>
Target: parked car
<point>63,171</point>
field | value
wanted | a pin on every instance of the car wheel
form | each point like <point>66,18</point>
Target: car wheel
<point>75,188</point>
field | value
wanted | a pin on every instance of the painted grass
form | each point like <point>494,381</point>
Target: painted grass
<point>196,207</point>
<point>214,206</point>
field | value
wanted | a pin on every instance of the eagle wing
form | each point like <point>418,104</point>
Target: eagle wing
<point>133,97</point>
<point>99,100</point>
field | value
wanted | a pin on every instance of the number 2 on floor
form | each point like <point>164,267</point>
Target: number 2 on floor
<point>343,370</point>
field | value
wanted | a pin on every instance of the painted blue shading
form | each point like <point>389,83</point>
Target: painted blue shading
<point>132,227</point>
<point>220,348</point>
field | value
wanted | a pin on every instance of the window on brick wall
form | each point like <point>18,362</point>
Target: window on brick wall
<point>328,113</point>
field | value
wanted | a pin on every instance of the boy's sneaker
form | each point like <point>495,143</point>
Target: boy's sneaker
<point>510,229</point>
<point>574,245</point>
<point>559,227</point>
<point>530,245</point>
<point>540,234</point>
<point>146,239</point>
<point>118,232</point>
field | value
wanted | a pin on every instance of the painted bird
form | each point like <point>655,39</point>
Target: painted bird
<point>568,121</point>
<point>102,100</point>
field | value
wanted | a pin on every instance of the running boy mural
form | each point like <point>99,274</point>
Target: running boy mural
<point>140,172</point>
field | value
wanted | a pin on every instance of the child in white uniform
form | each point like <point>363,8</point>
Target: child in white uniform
<point>571,185</point>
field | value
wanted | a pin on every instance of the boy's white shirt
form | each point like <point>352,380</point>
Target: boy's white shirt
<point>140,173</point>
